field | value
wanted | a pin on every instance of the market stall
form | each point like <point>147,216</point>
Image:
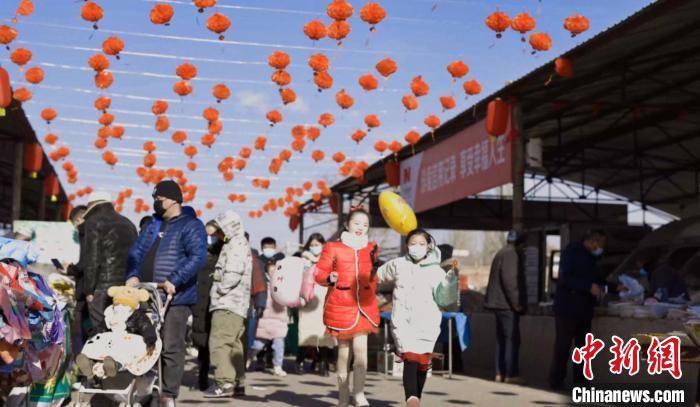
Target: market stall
<point>578,153</point>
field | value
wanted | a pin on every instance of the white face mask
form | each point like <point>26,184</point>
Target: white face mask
<point>269,253</point>
<point>417,252</point>
<point>316,250</point>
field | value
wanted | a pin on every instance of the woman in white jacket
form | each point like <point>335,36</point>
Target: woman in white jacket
<point>421,288</point>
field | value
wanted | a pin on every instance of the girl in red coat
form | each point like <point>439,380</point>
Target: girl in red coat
<point>351,311</point>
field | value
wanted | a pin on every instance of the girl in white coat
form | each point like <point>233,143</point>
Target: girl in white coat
<point>421,288</point>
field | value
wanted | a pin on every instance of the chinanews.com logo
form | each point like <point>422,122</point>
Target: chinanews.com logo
<point>663,356</point>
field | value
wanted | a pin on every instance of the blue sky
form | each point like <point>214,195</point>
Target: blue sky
<point>421,39</point>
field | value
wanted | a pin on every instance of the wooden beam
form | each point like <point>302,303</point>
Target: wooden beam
<point>495,214</point>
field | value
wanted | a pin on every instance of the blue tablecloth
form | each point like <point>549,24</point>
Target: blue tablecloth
<point>461,325</point>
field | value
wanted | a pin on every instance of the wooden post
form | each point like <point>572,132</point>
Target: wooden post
<point>341,219</point>
<point>17,182</point>
<point>518,158</point>
<point>301,228</point>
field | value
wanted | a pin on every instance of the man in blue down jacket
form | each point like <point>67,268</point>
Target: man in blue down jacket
<point>171,250</point>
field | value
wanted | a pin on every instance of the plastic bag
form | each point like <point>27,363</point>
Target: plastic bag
<point>635,290</point>
<point>447,293</point>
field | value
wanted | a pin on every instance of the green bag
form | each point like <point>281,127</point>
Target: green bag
<point>447,295</point>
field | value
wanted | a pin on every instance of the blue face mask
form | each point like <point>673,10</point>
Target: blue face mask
<point>417,252</point>
<point>598,252</point>
<point>269,253</point>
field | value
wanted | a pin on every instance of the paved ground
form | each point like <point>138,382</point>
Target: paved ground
<point>311,390</point>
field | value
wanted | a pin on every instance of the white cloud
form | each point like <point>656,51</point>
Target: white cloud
<point>253,100</point>
<point>299,106</point>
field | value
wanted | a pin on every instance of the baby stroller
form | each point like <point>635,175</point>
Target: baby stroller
<point>125,388</point>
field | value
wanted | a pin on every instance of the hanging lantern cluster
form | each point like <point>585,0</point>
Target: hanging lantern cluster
<point>339,11</point>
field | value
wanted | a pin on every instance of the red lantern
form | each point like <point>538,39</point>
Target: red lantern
<point>279,60</point>
<point>498,22</point>
<point>313,133</point>
<point>392,170</point>
<point>315,30</point>
<point>576,24</point>
<point>218,23</point>
<point>221,92</point>
<point>340,10</point>
<point>563,67</point>
<point>67,209</point>
<point>326,119</point>
<point>92,12</point>
<point>260,142</point>
<point>368,82</point>
<point>358,136</point>
<point>523,23</point>
<point>447,102</point>
<point>458,69</point>
<point>113,46</point>
<point>339,157</point>
<point>419,87</point>
<point>294,222</point>
<point>472,87</point>
<point>7,35</point>
<point>497,117</point>
<point>162,14</point>
<point>33,158</point>
<point>51,187</point>
<point>333,201</point>
<point>386,67</point>
<point>5,90</point>
<point>372,14</point>
<point>338,30</point>
<point>344,100</point>
<point>540,42</point>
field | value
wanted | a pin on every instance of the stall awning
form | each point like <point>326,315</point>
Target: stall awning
<point>626,123</point>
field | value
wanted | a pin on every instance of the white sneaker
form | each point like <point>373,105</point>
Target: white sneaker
<point>277,371</point>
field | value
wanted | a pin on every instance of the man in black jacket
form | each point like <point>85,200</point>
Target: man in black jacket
<point>578,288</point>
<point>107,239</point>
<point>505,296</point>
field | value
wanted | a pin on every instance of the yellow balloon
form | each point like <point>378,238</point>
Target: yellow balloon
<point>397,213</point>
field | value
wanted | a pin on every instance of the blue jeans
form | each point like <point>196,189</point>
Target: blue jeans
<point>277,350</point>
<point>507,343</point>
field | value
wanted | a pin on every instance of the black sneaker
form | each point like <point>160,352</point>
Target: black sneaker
<point>218,391</point>
<point>239,391</point>
<point>324,370</point>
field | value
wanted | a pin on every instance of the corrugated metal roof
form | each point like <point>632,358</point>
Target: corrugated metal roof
<point>618,123</point>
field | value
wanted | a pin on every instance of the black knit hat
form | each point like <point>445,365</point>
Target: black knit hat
<point>168,189</point>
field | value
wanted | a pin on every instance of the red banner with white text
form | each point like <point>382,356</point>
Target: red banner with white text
<point>463,165</point>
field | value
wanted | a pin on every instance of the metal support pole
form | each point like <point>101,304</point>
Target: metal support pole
<point>518,162</point>
<point>17,182</point>
<point>449,348</point>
